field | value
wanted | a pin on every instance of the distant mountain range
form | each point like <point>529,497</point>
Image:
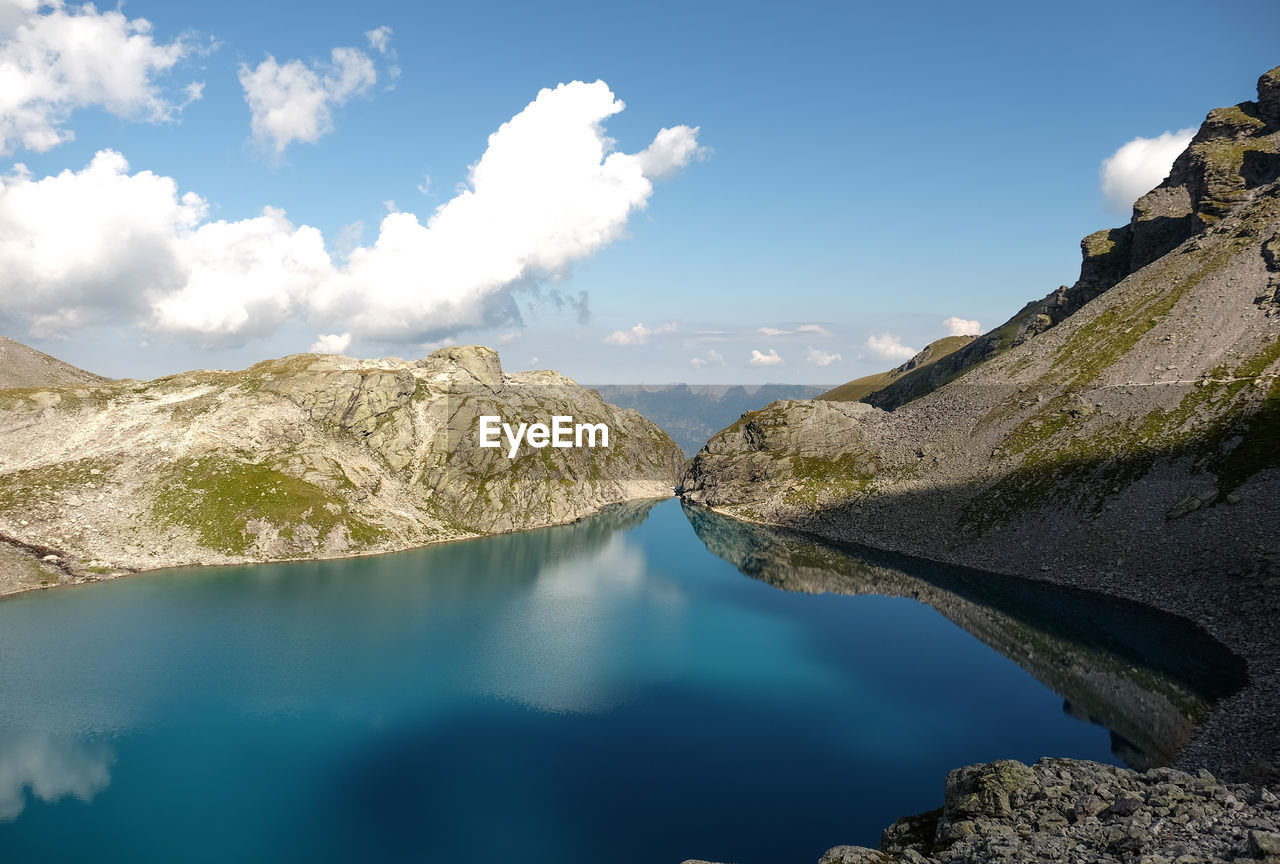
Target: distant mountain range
<point>692,414</point>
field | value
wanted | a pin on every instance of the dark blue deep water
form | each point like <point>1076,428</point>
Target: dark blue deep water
<point>608,691</point>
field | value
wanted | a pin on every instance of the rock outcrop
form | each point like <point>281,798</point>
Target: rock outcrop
<point>1121,434</point>
<point>1067,810</point>
<point>310,456</point>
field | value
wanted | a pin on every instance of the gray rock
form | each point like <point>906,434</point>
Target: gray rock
<point>853,855</point>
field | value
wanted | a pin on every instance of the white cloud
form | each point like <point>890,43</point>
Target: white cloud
<point>546,193</point>
<point>821,358</point>
<point>331,343</point>
<point>242,278</point>
<point>1140,166</point>
<point>295,102</point>
<point>101,244</point>
<point>815,329</point>
<point>890,347</point>
<point>961,327</point>
<point>770,359</point>
<point>56,58</point>
<point>86,246</point>
<point>379,38</point>
<point>639,334</point>
<point>711,358</point>
<point>671,150</point>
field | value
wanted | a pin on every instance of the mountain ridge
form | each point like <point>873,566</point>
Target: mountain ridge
<point>23,366</point>
<point>308,456</point>
<point>1121,434</point>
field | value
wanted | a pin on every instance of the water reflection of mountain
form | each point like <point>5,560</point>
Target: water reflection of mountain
<point>1148,677</point>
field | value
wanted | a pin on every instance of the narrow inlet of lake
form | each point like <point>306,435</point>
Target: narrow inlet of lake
<point>650,684</point>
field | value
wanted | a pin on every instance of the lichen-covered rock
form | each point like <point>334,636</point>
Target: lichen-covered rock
<point>307,456</point>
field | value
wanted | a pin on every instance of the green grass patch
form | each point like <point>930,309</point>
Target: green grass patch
<point>839,477</point>
<point>215,497</point>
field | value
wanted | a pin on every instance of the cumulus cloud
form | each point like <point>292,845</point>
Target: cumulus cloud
<point>84,247</point>
<point>890,347</point>
<point>242,278</point>
<point>821,358</point>
<point>773,331</point>
<point>294,101</point>
<point>961,327</point>
<point>1140,166</point>
<point>55,58</point>
<point>102,244</point>
<point>331,343</point>
<point>639,334</point>
<point>770,359</point>
<point>546,193</point>
<point>711,358</point>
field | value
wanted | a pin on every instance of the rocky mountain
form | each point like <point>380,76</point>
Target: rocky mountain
<point>860,388</point>
<point>21,366</point>
<point>1121,434</point>
<point>310,456</point>
<point>692,414</point>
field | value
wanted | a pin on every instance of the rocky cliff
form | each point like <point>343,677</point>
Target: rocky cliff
<point>310,456</point>
<point>1121,434</point>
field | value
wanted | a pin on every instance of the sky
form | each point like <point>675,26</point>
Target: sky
<point>705,192</point>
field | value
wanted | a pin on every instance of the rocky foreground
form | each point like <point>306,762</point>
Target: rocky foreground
<point>311,456</point>
<point>1067,810</point>
<point>1073,811</point>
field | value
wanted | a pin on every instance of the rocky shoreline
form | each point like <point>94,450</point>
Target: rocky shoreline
<point>1075,811</point>
<point>26,567</point>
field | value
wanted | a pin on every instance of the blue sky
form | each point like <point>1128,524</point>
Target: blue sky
<point>868,171</point>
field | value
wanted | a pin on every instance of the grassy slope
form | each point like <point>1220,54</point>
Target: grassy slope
<point>860,388</point>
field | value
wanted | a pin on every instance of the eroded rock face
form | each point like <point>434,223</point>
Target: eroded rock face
<point>307,456</point>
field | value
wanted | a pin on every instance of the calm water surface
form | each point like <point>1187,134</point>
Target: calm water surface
<point>605,691</point>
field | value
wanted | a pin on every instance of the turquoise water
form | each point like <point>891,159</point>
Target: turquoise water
<point>604,691</point>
